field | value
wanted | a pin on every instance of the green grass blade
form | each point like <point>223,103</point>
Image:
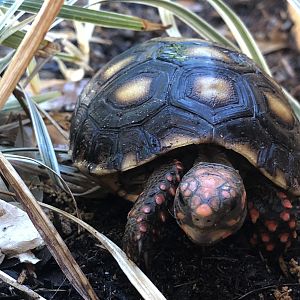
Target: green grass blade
<point>9,13</point>
<point>168,18</point>
<point>13,104</point>
<point>43,139</point>
<point>191,19</point>
<point>241,33</point>
<point>295,4</point>
<point>12,29</point>
<point>101,18</point>
<point>247,43</point>
<point>4,61</point>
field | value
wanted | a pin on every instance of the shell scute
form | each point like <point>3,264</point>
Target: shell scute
<point>170,93</point>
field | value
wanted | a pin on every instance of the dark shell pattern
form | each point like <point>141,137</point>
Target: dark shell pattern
<point>168,93</point>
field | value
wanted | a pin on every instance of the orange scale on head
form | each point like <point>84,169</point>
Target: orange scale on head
<point>212,181</point>
<point>207,193</point>
<point>214,203</point>
<point>204,210</point>
<point>225,194</point>
<point>193,186</point>
<point>196,200</point>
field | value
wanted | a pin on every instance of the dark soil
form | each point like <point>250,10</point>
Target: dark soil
<point>180,269</point>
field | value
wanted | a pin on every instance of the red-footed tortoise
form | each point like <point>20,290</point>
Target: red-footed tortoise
<point>195,129</point>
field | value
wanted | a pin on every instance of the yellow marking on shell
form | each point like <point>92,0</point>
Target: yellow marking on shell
<point>204,51</point>
<point>133,91</point>
<point>279,178</point>
<point>129,161</point>
<point>213,90</point>
<point>247,152</point>
<point>113,69</point>
<point>279,108</point>
<point>251,155</point>
<point>173,141</point>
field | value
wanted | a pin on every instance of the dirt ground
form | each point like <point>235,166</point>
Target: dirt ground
<point>180,269</point>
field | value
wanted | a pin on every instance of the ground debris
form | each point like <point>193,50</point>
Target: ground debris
<point>283,294</point>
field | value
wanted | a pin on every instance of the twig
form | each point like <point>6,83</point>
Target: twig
<point>55,243</point>
<point>11,281</point>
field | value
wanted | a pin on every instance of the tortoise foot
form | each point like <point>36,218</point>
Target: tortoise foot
<point>273,219</point>
<point>146,219</point>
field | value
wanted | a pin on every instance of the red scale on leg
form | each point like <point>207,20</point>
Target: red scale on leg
<point>273,218</point>
<point>149,212</point>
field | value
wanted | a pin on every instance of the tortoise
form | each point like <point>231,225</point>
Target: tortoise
<point>188,128</point>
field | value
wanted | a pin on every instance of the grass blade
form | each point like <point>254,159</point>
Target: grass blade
<point>139,280</point>
<point>241,33</point>
<point>43,139</point>
<point>295,4</point>
<point>101,18</point>
<point>167,18</point>
<point>9,13</point>
<point>55,243</point>
<point>247,43</point>
<point>185,15</point>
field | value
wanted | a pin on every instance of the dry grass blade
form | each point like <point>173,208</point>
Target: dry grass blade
<point>295,4</point>
<point>11,281</point>
<point>139,280</point>
<point>28,47</point>
<point>167,18</point>
<point>48,232</point>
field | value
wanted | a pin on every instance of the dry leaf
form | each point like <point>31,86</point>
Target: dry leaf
<point>18,235</point>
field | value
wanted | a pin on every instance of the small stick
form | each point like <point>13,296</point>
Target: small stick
<point>13,282</point>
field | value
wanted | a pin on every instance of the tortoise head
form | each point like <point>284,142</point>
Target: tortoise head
<point>210,202</point>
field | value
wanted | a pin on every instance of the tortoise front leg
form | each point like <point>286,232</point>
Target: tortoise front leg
<point>147,217</point>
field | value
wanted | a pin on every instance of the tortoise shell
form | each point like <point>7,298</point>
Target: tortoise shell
<point>168,93</point>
